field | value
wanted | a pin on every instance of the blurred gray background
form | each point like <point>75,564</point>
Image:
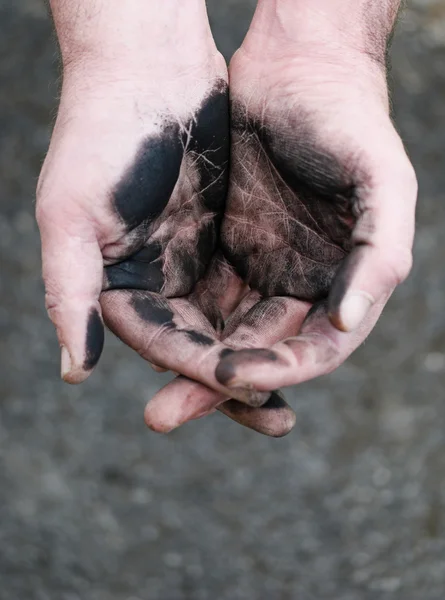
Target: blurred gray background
<point>95,507</point>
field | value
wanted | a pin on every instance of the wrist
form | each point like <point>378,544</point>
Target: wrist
<point>343,26</point>
<point>131,35</point>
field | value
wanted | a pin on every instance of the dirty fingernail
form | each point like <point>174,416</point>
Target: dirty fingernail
<point>246,393</point>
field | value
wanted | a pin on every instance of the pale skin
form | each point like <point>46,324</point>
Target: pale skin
<point>242,278</point>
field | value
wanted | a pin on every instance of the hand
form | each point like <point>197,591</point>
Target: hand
<point>320,216</point>
<point>190,337</point>
<point>322,200</point>
<point>135,178</point>
<point>132,192</point>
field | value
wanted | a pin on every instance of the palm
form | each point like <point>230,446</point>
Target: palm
<point>313,158</point>
<point>171,201</point>
<point>311,165</point>
<point>288,221</point>
<point>166,291</point>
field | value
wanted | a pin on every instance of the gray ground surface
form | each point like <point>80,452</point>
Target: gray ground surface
<point>95,507</point>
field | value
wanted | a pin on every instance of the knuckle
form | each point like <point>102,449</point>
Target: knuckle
<point>55,301</point>
<point>52,306</point>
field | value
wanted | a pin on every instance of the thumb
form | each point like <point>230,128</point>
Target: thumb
<point>382,255</point>
<point>72,272</point>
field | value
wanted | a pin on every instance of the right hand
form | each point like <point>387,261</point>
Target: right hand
<point>131,192</point>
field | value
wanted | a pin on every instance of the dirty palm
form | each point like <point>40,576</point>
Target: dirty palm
<point>244,265</point>
<point>286,229</point>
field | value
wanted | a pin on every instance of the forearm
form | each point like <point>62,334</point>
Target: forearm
<point>115,30</point>
<point>363,25</point>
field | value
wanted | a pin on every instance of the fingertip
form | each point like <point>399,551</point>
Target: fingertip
<point>226,373</point>
<point>160,427</point>
<point>284,428</point>
<point>69,371</point>
<point>66,363</point>
<point>159,423</point>
<point>274,419</point>
<point>78,359</point>
<point>228,369</point>
<point>166,423</point>
<point>282,418</point>
<point>74,375</point>
<point>95,338</point>
<point>352,311</point>
<point>336,321</point>
<point>281,424</point>
<point>247,394</point>
<point>240,369</point>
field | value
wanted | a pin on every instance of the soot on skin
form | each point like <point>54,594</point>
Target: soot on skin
<point>172,200</point>
<point>153,309</point>
<point>145,189</point>
<point>143,271</point>
<point>94,341</point>
<point>319,308</point>
<point>211,139</point>
<point>199,338</point>
<point>343,279</point>
<point>226,370</point>
<point>289,215</point>
<point>226,352</point>
<point>275,402</point>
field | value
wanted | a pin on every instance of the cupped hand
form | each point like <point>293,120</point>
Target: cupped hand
<point>320,216</point>
<point>130,202</point>
<point>131,196</point>
<point>321,206</point>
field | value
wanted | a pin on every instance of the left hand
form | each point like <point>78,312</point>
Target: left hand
<point>321,211</point>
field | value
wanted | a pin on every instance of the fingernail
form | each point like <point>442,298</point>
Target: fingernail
<point>245,392</point>
<point>66,363</point>
<point>354,309</point>
<point>238,383</point>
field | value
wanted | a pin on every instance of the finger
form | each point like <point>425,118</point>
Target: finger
<point>251,299</point>
<point>183,400</point>
<point>317,350</point>
<point>178,402</point>
<point>219,293</point>
<point>383,237</point>
<point>143,270</point>
<point>172,334</point>
<point>268,321</point>
<point>72,272</point>
<point>274,419</point>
